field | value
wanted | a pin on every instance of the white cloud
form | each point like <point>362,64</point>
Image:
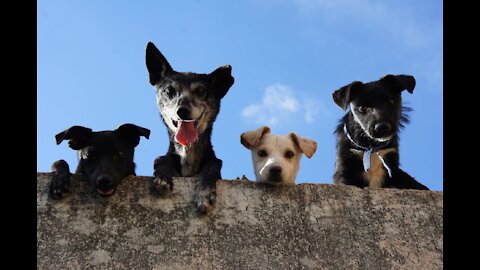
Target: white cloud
<point>279,106</point>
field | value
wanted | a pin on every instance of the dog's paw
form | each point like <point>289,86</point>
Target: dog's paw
<point>59,184</point>
<point>205,198</point>
<point>163,186</point>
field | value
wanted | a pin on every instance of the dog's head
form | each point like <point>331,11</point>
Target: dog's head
<point>188,102</point>
<point>376,106</point>
<point>106,157</point>
<point>276,158</point>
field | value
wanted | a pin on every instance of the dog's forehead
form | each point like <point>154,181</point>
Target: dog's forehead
<point>107,140</point>
<point>277,141</point>
<point>188,78</point>
<point>376,91</point>
<point>380,87</point>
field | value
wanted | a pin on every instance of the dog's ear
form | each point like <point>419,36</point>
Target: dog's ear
<point>252,138</point>
<point>78,137</point>
<point>221,80</point>
<point>157,65</point>
<point>402,82</point>
<point>132,133</point>
<point>343,95</point>
<point>307,146</point>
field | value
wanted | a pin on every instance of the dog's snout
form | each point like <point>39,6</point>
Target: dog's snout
<point>104,181</point>
<point>183,113</point>
<point>275,171</point>
<point>383,128</point>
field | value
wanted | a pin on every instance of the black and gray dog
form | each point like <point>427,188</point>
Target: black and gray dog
<point>105,157</point>
<point>367,136</point>
<point>189,104</point>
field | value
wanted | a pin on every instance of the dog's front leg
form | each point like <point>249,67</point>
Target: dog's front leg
<point>205,191</point>
<point>164,171</point>
<point>60,180</point>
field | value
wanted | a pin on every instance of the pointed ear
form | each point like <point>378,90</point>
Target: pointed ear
<point>403,82</point>
<point>78,137</point>
<point>157,65</point>
<point>343,95</point>
<point>307,146</point>
<point>252,138</point>
<point>132,133</point>
<point>222,80</point>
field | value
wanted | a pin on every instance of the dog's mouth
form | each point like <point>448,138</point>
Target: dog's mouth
<point>105,192</point>
<point>186,131</point>
<point>274,180</point>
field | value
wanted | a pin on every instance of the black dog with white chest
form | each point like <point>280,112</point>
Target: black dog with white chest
<point>105,157</point>
<point>189,104</point>
<point>367,136</point>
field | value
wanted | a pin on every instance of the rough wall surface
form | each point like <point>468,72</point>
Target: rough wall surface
<point>306,226</point>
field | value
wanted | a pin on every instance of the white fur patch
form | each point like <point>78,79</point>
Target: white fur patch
<point>357,119</point>
<point>276,146</point>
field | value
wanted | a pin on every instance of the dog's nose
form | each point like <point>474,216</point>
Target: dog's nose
<point>183,113</point>
<point>104,181</point>
<point>275,171</point>
<point>383,128</point>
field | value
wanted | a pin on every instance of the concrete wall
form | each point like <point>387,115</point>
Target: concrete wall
<point>307,226</point>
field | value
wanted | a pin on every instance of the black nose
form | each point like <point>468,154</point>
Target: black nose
<point>383,128</point>
<point>104,181</point>
<point>275,171</point>
<point>183,113</point>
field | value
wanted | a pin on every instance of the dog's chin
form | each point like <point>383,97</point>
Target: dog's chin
<point>272,181</point>
<point>383,139</point>
<point>105,192</point>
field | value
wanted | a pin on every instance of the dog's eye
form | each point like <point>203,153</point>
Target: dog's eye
<point>289,154</point>
<point>362,109</point>
<point>170,91</point>
<point>120,153</point>
<point>87,155</point>
<point>262,153</point>
<point>391,101</point>
<point>200,92</point>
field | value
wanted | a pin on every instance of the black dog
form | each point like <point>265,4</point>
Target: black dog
<point>105,157</point>
<point>367,136</point>
<point>189,104</point>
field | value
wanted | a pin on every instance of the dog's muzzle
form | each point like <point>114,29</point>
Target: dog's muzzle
<point>104,185</point>
<point>382,129</point>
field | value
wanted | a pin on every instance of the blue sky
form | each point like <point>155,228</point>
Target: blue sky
<point>287,57</point>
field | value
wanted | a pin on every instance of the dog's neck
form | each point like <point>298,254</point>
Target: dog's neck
<point>191,156</point>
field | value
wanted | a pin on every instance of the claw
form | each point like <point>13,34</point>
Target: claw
<point>162,186</point>
<point>205,198</point>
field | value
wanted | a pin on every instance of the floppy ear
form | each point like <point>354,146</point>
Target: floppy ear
<point>132,133</point>
<point>342,96</point>
<point>403,81</point>
<point>77,136</point>
<point>307,146</point>
<point>222,80</point>
<point>157,65</point>
<point>252,138</point>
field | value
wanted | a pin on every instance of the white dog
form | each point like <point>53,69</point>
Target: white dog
<point>276,158</point>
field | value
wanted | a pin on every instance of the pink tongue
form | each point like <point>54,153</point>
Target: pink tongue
<point>186,132</point>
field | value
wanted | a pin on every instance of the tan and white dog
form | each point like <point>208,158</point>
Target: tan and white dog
<point>276,158</point>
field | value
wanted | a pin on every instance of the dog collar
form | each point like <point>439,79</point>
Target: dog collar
<point>368,152</point>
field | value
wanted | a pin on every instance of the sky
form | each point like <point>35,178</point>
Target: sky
<point>287,58</point>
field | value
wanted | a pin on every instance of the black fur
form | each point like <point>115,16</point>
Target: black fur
<point>105,157</point>
<point>179,96</point>
<point>378,106</point>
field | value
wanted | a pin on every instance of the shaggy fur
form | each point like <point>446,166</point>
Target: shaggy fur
<point>374,120</point>
<point>189,104</point>
<point>105,157</point>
